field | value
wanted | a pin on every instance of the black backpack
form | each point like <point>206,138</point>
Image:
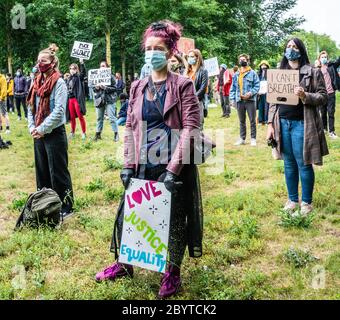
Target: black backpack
<point>42,208</point>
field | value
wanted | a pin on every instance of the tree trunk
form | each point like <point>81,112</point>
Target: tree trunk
<point>108,46</point>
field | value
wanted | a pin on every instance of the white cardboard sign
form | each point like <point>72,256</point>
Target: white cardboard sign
<point>146,224</point>
<point>99,77</point>
<point>281,85</point>
<point>82,50</point>
<point>212,66</point>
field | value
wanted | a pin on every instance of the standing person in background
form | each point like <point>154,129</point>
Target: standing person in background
<point>329,72</point>
<point>225,81</point>
<point>297,129</point>
<point>20,93</point>
<point>3,107</point>
<point>106,97</point>
<point>124,103</point>
<point>199,75</point>
<point>263,106</point>
<point>76,98</point>
<point>119,84</point>
<point>10,93</point>
<point>178,64</point>
<point>46,122</point>
<point>246,85</point>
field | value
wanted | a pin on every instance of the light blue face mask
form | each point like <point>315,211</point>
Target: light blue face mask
<point>156,58</point>
<point>192,61</point>
<point>324,61</point>
<point>292,55</point>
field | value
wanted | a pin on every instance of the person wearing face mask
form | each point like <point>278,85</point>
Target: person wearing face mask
<point>47,100</point>
<point>177,64</point>
<point>76,98</point>
<point>3,96</point>
<point>263,106</point>
<point>108,98</point>
<point>10,93</point>
<point>165,102</point>
<point>329,73</point>
<point>20,93</point>
<point>298,130</point>
<point>119,84</point>
<point>224,85</point>
<point>244,90</point>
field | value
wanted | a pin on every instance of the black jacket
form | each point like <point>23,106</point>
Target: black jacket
<point>333,72</point>
<point>76,89</point>
<point>201,83</point>
<point>109,93</point>
<point>123,110</point>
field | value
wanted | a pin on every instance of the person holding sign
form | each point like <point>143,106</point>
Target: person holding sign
<point>108,97</point>
<point>76,98</point>
<point>245,87</point>
<point>199,75</point>
<point>297,129</point>
<point>159,106</point>
<point>263,106</point>
<point>47,99</point>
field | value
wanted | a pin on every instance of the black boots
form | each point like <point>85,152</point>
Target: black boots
<point>97,136</point>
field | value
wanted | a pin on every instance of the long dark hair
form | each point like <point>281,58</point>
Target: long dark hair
<point>303,60</point>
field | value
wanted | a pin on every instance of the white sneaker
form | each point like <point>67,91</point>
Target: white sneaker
<point>71,136</point>
<point>83,136</point>
<point>306,209</point>
<point>8,131</point>
<point>290,206</point>
<point>240,142</point>
<point>333,136</point>
<point>253,143</point>
<point>19,119</point>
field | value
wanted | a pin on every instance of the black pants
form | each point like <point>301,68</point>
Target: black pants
<point>177,232</point>
<point>21,100</point>
<point>10,104</point>
<point>329,109</point>
<point>249,107</point>
<point>51,165</point>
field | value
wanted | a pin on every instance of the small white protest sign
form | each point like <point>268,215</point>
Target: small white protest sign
<point>82,50</point>
<point>146,224</point>
<point>281,85</point>
<point>97,77</point>
<point>212,66</point>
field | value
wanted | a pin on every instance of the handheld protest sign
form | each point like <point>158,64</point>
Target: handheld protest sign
<point>212,66</point>
<point>281,85</point>
<point>263,87</point>
<point>82,50</point>
<point>97,77</point>
<point>146,224</point>
<point>184,45</point>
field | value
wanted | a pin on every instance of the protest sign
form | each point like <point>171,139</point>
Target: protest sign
<point>281,85</point>
<point>212,66</point>
<point>263,87</point>
<point>184,45</point>
<point>146,225</point>
<point>82,50</point>
<point>99,77</point>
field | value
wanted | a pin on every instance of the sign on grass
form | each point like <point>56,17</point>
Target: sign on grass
<point>146,225</point>
<point>185,45</point>
<point>82,50</point>
<point>99,77</point>
<point>281,85</point>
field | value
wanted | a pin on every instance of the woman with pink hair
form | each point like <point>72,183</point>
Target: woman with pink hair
<point>165,103</point>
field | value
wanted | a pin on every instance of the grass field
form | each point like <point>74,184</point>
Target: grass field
<point>250,250</point>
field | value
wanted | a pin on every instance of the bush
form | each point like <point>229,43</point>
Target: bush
<point>112,164</point>
<point>19,203</point>
<point>95,185</point>
<point>295,221</point>
<point>298,258</point>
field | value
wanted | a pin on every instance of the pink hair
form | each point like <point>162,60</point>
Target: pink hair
<point>170,33</point>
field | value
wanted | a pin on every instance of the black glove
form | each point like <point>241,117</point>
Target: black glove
<point>126,175</point>
<point>171,181</point>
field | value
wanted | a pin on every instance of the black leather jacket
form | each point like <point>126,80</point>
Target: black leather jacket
<point>201,83</point>
<point>332,70</point>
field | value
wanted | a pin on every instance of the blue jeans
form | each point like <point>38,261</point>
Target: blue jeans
<point>292,133</point>
<point>111,112</point>
<point>121,121</point>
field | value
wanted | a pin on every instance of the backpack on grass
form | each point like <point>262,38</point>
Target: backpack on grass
<point>42,208</point>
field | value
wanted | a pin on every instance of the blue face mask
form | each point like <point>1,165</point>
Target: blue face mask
<point>292,55</point>
<point>324,61</point>
<point>192,61</point>
<point>156,58</point>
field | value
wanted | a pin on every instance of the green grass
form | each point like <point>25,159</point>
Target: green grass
<point>250,250</point>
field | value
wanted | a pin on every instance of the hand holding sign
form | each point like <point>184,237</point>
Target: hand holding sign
<point>82,50</point>
<point>300,92</point>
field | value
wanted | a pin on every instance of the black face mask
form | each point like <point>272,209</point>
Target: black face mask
<point>243,63</point>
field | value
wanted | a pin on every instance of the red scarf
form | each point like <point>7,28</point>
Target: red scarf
<point>42,90</point>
